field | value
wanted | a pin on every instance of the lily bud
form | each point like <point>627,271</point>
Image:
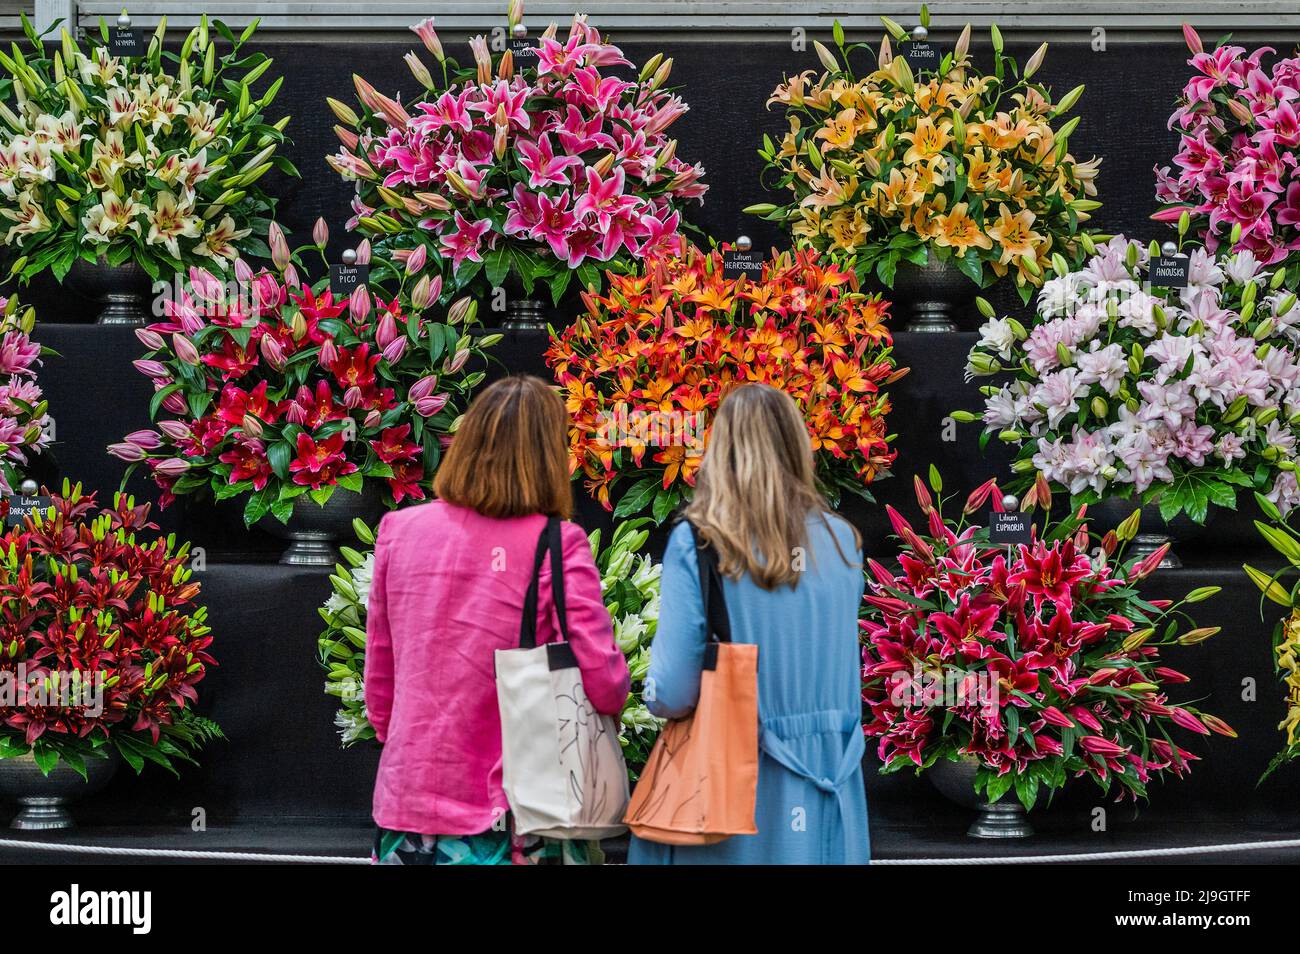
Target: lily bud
<point>1035,61</point>
<point>185,350</point>
<point>419,70</point>
<point>320,233</point>
<point>826,56</point>
<point>416,261</point>
<point>272,353</point>
<point>127,451</point>
<point>359,304</point>
<point>279,247</point>
<point>150,339</point>
<point>963,44</point>
<point>386,329</point>
<point>395,349</point>
<point>344,112</point>
<point>146,439</point>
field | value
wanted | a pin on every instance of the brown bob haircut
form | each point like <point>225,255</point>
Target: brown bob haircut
<point>509,457</point>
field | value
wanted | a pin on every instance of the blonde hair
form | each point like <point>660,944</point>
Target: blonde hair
<point>510,457</point>
<point>756,487</point>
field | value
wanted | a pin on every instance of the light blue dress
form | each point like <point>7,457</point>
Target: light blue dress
<point>812,806</point>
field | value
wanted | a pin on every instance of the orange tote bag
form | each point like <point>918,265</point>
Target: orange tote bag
<point>701,779</point>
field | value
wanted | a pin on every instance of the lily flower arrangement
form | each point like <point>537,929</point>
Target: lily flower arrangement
<point>629,583</point>
<point>1042,662</point>
<point>530,172</point>
<point>23,411</point>
<point>1117,389</point>
<point>155,159</point>
<point>101,628</point>
<point>1283,537</point>
<point>651,359</point>
<point>1238,125</point>
<point>269,388</point>
<point>896,168</point>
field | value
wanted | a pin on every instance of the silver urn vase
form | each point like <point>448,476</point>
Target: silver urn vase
<point>314,531</point>
<point>1005,818</point>
<point>45,798</point>
<point>524,314</point>
<point>122,291</point>
<point>934,295</point>
<point>1154,531</point>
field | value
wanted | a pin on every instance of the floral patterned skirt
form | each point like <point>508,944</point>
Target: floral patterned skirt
<point>492,847</point>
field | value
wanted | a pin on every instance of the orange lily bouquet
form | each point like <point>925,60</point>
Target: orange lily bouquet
<point>648,364</point>
<point>895,167</point>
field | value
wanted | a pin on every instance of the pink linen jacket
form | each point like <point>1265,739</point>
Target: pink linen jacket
<point>447,592</point>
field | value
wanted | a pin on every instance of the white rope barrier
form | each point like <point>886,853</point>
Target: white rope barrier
<point>268,858</point>
<point>1098,855</point>
<point>254,856</point>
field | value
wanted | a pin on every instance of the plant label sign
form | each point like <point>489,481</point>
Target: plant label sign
<point>1168,271</point>
<point>125,41</point>
<point>736,263</point>
<point>524,51</point>
<point>1009,529</point>
<point>345,279</point>
<point>920,55</point>
<point>18,507</point>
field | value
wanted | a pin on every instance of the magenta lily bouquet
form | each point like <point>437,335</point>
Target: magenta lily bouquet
<point>1043,663</point>
<point>1239,148</point>
<point>271,388</point>
<point>528,173</point>
<point>23,417</point>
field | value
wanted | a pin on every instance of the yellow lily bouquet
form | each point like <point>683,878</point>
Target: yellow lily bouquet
<point>1282,588</point>
<point>122,159</point>
<point>887,169</point>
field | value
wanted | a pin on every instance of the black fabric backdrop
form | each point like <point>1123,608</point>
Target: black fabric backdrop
<point>282,759</point>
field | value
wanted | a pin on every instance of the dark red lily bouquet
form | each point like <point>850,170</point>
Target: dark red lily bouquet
<point>1043,663</point>
<point>101,642</point>
<point>273,388</point>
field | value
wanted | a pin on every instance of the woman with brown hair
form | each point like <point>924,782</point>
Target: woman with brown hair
<point>792,581</point>
<point>448,591</point>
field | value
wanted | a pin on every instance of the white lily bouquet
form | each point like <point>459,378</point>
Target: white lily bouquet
<point>629,583</point>
<point>154,159</point>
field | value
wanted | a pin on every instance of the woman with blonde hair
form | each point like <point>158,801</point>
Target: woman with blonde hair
<point>448,590</point>
<point>792,581</point>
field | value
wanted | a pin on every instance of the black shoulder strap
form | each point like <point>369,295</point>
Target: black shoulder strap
<point>715,602</point>
<point>550,541</point>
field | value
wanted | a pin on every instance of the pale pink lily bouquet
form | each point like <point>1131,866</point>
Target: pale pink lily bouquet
<point>1177,396</point>
<point>23,417</point>
<point>531,171</point>
<point>1239,147</point>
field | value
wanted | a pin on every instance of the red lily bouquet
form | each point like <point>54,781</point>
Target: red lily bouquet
<point>101,643</point>
<point>653,357</point>
<point>1042,662</point>
<point>272,388</point>
<point>531,170</point>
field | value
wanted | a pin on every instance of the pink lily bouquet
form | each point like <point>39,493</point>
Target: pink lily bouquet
<point>531,172</point>
<point>1177,396</point>
<point>272,388</point>
<point>1239,148</point>
<point>23,417</point>
<point>1042,663</point>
